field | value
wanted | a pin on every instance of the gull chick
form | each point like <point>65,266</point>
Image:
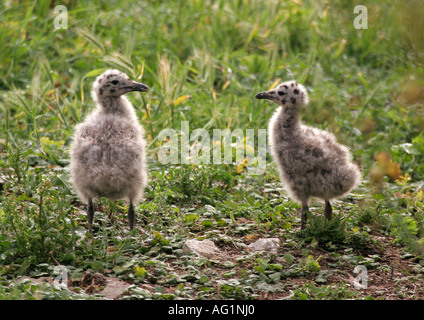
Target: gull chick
<point>310,161</point>
<point>108,157</point>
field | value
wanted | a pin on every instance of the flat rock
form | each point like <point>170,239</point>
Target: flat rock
<point>266,244</point>
<point>205,248</point>
<point>114,288</point>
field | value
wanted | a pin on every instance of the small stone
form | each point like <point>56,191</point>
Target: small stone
<point>114,288</point>
<point>205,248</point>
<point>268,244</point>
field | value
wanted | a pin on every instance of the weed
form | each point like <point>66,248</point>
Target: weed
<point>333,292</point>
<point>323,231</point>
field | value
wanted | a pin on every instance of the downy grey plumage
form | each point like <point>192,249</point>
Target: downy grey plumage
<point>310,161</point>
<point>108,157</point>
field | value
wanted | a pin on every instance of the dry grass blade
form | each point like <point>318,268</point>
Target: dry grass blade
<point>91,38</point>
<point>119,61</point>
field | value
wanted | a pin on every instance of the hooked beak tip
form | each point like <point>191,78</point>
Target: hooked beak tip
<point>262,95</point>
<point>140,87</point>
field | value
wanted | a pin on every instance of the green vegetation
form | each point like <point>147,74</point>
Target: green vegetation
<point>204,62</point>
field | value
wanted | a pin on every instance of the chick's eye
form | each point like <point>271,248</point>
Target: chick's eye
<point>115,82</point>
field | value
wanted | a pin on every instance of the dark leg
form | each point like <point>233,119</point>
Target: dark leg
<point>328,210</point>
<point>90,215</point>
<point>131,215</point>
<point>304,211</point>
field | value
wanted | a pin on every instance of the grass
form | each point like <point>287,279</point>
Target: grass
<point>204,62</point>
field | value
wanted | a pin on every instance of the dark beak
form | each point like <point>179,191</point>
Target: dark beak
<point>137,86</point>
<point>263,95</point>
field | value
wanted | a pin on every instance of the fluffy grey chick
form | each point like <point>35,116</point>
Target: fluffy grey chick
<point>310,161</point>
<point>108,157</point>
